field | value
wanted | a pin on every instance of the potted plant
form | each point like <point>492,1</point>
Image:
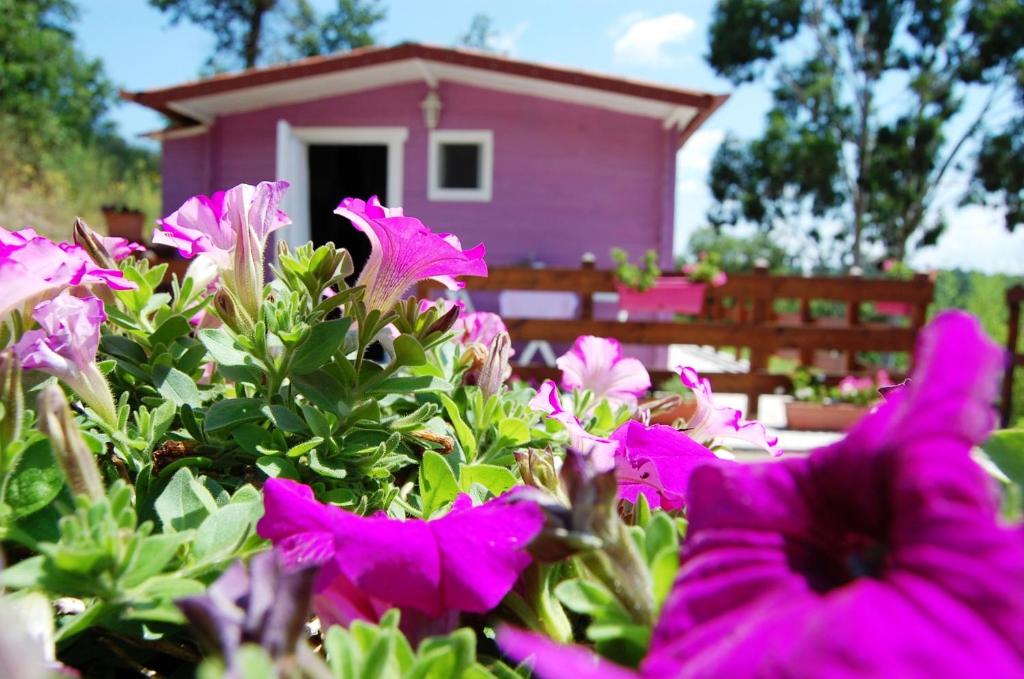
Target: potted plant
<point>817,406</point>
<point>644,289</point>
<point>124,222</point>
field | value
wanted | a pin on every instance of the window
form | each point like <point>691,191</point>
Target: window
<point>461,165</point>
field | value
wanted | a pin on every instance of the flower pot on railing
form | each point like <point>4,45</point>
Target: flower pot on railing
<point>894,308</point>
<point>668,294</point>
<point>123,222</point>
<point>810,416</point>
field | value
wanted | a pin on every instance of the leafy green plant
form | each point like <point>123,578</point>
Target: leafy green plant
<point>640,276</point>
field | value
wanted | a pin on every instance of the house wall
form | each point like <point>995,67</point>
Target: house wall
<point>568,179</point>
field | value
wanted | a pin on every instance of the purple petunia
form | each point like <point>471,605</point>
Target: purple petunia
<point>597,364</point>
<point>466,560</point>
<point>711,422</point>
<point>404,251</point>
<point>880,555</point>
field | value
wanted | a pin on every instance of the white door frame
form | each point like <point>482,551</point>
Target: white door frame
<point>293,166</point>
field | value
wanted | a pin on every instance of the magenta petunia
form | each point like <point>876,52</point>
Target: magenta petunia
<point>404,251</point>
<point>597,364</point>
<point>656,462</point>
<point>34,268</point>
<point>881,555</point>
<point>65,346</point>
<point>230,227</point>
<point>466,560</point>
<point>711,423</point>
<point>120,248</point>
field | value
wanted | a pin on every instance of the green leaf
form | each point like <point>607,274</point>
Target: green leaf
<point>225,530</point>
<point>583,596</point>
<point>124,348</point>
<point>1006,450</point>
<point>495,479</point>
<point>660,535</point>
<point>222,347</point>
<point>35,481</point>
<point>408,351</point>
<point>323,390</point>
<point>437,483</point>
<point>170,330</point>
<point>334,468</point>
<point>324,339</point>
<point>410,385</point>
<point>284,419</point>
<point>155,552</point>
<point>303,448</point>
<point>176,386</point>
<point>516,432</point>
<point>462,430</point>
<point>233,411</point>
<point>277,467</point>
<point>184,502</point>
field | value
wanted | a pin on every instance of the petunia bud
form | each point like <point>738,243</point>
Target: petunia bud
<point>445,322</point>
<point>248,272</point>
<point>537,468</point>
<point>13,399</point>
<point>230,313</point>
<point>69,449</point>
<point>496,368</point>
<point>89,240</point>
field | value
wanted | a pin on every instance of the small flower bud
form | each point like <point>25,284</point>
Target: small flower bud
<point>89,240</point>
<point>230,313</point>
<point>69,449</point>
<point>13,399</point>
<point>496,368</point>
<point>248,272</point>
<point>445,322</point>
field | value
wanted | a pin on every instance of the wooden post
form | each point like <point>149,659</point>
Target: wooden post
<point>853,320</point>
<point>758,355</point>
<point>1014,297</point>
<point>806,354</point>
<point>587,299</point>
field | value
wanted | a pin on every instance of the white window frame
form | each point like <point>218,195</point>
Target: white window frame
<point>436,192</point>
<point>293,164</point>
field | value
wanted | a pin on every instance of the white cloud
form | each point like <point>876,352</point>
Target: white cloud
<point>696,154</point>
<point>506,42</point>
<point>976,239</point>
<point>649,41</point>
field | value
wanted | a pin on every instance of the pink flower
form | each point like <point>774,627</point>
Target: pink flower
<point>656,462</point>
<point>711,422</point>
<point>597,364</point>
<point>65,346</point>
<point>404,251</point>
<point>478,327</point>
<point>232,228</point>
<point>34,268</point>
<point>120,248</point>
<point>548,401</point>
<point>467,560</point>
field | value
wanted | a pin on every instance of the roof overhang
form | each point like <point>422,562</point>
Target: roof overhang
<point>200,102</point>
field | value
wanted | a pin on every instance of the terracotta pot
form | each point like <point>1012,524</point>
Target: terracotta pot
<point>124,223</point>
<point>684,410</point>
<point>668,294</point>
<point>894,308</point>
<point>804,416</point>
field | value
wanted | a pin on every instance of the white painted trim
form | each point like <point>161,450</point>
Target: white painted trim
<point>428,76</point>
<point>436,192</point>
<point>311,88</point>
<point>293,165</point>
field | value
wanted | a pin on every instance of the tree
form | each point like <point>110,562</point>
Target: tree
<point>870,118</point>
<point>481,34</point>
<point>52,94</point>
<point>256,32</point>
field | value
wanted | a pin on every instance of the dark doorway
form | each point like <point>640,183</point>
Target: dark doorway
<point>337,171</point>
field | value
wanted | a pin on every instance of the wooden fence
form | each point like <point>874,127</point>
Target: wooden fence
<point>1014,299</point>
<point>740,314</point>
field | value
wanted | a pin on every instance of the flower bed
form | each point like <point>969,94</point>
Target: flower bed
<point>221,481</point>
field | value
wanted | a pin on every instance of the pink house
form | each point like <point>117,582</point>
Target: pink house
<point>540,163</point>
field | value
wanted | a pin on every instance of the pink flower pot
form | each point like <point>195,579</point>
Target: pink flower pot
<point>668,294</point>
<point>893,308</point>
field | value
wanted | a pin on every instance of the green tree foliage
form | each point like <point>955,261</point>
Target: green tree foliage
<point>52,95</point>
<point>740,253</point>
<point>870,116</point>
<point>480,35</point>
<point>256,32</point>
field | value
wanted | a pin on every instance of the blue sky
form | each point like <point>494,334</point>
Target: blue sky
<point>655,40</point>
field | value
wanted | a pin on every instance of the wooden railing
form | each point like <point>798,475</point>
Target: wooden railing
<point>739,314</point>
<point>1014,299</point>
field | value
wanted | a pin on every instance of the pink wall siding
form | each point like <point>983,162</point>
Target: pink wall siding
<point>568,179</point>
